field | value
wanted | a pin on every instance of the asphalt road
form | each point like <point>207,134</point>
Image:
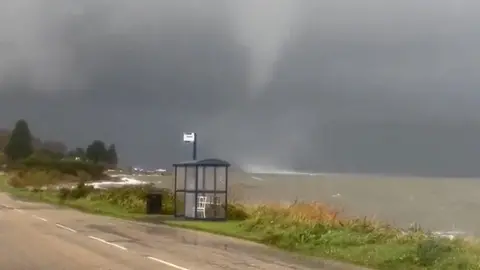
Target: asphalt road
<point>40,236</point>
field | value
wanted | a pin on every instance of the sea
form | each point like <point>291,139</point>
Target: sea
<point>442,205</point>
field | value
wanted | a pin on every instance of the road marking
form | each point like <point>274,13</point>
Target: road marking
<point>41,218</point>
<point>106,242</point>
<point>65,227</point>
<point>167,263</point>
<point>18,210</point>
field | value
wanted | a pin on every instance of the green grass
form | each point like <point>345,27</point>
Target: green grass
<point>231,228</point>
<point>82,204</point>
<point>308,229</point>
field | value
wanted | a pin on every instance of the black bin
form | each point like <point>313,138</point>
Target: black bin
<point>154,203</point>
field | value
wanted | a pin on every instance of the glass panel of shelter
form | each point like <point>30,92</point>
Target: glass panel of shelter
<point>190,178</point>
<point>180,204</point>
<point>190,200</point>
<point>209,176</point>
<point>211,205</point>
<point>221,179</point>
<point>201,178</point>
<point>180,178</point>
<point>221,206</point>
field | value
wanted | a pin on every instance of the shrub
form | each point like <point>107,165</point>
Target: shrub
<point>71,167</point>
<point>84,176</point>
<point>80,191</point>
<point>317,229</point>
<point>39,178</point>
<point>63,194</point>
<point>167,201</point>
<point>15,181</point>
<point>236,211</point>
<point>430,250</point>
<point>130,198</point>
<point>313,224</point>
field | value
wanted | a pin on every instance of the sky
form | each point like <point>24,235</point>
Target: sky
<point>368,86</point>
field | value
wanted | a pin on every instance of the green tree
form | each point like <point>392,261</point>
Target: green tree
<point>77,154</point>
<point>3,159</point>
<point>97,152</point>
<point>112,158</point>
<point>20,144</point>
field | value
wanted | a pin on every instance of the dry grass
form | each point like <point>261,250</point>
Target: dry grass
<point>313,212</point>
<point>316,229</point>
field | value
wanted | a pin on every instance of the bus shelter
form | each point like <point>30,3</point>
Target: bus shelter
<point>201,189</point>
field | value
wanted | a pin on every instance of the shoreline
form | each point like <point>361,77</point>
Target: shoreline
<point>443,205</point>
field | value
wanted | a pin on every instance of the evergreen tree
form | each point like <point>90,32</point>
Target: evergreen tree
<point>97,152</point>
<point>112,158</point>
<point>77,154</point>
<point>20,144</point>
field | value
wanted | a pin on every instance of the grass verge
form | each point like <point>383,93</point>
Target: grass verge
<point>310,229</point>
<point>82,204</point>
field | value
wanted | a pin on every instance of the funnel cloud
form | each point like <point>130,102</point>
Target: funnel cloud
<point>330,86</point>
<point>264,28</point>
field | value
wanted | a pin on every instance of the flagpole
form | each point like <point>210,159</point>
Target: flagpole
<point>195,146</point>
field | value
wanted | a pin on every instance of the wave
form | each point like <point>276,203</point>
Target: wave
<point>123,181</point>
<point>259,169</point>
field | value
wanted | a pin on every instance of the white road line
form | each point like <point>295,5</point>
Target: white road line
<point>41,218</point>
<point>18,210</point>
<point>167,263</point>
<point>106,242</point>
<point>65,227</point>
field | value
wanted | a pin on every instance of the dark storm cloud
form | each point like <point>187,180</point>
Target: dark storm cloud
<point>376,86</point>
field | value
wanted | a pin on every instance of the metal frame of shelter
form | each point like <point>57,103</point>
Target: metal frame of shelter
<point>201,178</point>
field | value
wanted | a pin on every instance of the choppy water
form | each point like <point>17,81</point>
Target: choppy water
<point>439,204</point>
